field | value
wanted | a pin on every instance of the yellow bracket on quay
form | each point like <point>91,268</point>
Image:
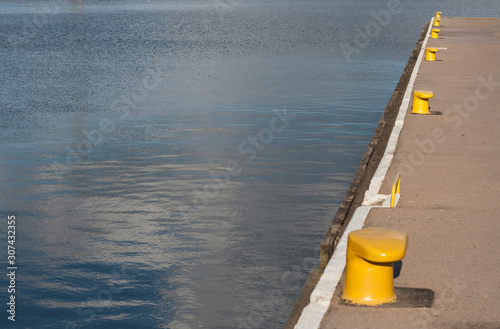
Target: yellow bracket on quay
<point>396,189</point>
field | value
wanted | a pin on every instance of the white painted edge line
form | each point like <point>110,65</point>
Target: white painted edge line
<point>372,194</point>
<point>312,314</point>
<point>321,296</point>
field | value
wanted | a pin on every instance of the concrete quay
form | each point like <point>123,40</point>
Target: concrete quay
<point>450,193</point>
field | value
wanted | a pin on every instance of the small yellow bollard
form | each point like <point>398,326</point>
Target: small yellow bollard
<point>430,54</point>
<point>369,272</point>
<point>435,33</point>
<point>438,14</point>
<point>421,101</point>
<point>437,21</point>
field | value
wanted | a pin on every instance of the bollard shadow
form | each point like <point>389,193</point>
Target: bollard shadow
<point>434,112</point>
<point>396,267</point>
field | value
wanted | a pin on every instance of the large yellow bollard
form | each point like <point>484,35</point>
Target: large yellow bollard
<point>430,54</point>
<point>421,101</point>
<point>435,33</point>
<point>437,21</point>
<point>438,14</point>
<point>369,272</point>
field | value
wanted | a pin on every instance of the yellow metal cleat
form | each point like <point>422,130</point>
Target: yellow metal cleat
<point>369,271</point>
<point>396,189</point>
<point>437,21</point>
<point>438,14</point>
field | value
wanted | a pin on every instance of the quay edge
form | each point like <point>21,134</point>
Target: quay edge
<point>360,183</point>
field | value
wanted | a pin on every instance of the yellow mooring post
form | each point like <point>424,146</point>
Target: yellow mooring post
<point>438,14</point>
<point>435,33</point>
<point>430,54</point>
<point>369,273</point>
<point>436,21</point>
<point>421,101</point>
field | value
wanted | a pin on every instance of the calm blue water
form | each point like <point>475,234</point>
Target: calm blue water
<point>175,164</point>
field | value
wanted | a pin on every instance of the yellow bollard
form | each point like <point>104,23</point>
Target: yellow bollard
<point>437,21</point>
<point>434,33</point>
<point>430,54</point>
<point>438,14</point>
<point>421,101</point>
<point>369,272</point>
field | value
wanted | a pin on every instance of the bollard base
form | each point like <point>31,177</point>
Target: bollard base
<point>430,113</point>
<point>407,298</point>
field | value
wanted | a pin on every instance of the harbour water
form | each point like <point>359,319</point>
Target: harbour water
<point>175,164</point>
